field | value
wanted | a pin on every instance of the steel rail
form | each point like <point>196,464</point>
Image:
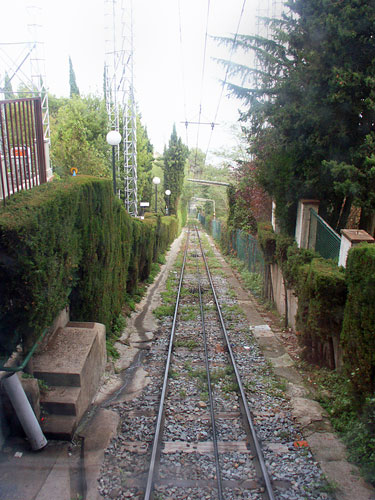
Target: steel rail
<point>210,394</point>
<point>156,442</point>
<point>258,449</point>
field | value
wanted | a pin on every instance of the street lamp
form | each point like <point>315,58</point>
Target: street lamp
<point>113,138</point>
<point>156,181</point>
<point>168,193</point>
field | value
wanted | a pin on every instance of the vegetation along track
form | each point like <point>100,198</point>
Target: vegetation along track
<point>191,435</point>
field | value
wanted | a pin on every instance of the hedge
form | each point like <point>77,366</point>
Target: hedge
<point>358,334</point>
<point>321,291</point>
<point>320,286</point>
<point>71,242</point>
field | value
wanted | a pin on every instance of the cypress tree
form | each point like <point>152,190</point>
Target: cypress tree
<point>174,166</point>
<point>74,90</point>
<point>8,90</point>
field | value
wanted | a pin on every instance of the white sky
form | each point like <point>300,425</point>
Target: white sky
<point>168,74</point>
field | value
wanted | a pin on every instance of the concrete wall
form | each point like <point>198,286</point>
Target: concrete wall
<point>279,296</point>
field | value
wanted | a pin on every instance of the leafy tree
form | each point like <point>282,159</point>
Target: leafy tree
<point>174,166</point>
<point>74,90</point>
<point>249,203</point>
<point>311,119</point>
<point>78,137</point>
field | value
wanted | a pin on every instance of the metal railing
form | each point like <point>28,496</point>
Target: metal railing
<point>22,154</point>
<point>322,238</point>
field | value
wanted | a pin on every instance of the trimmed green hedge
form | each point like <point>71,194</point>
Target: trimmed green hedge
<point>320,286</point>
<point>71,242</point>
<point>358,334</point>
<point>321,291</point>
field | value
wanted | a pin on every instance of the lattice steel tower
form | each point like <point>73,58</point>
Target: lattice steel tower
<point>119,95</point>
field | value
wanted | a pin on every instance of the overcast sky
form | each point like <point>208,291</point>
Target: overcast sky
<point>168,73</point>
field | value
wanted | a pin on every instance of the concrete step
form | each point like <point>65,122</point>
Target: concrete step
<point>62,401</point>
<point>71,364</point>
<point>68,355</point>
<point>59,426</point>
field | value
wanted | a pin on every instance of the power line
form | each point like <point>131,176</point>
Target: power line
<point>226,73</point>
<point>182,68</point>
<point>202,80</point>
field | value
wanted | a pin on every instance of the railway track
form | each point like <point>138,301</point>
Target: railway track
<point>192,435</point>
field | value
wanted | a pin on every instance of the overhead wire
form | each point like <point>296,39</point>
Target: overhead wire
<point>182,71</point>
<point>202,81</point>
<point>226,73</point>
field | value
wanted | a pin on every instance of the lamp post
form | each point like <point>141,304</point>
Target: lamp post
<point>168,193</point>
<point>113,138</point>
<point>156,181</point>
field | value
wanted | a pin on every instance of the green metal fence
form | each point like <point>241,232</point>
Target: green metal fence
<point>244,246</point>
<point>216,229</point>
<point>322,238</point>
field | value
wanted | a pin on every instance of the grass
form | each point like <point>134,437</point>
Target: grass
<point>189,312</point>
<point>355,426</point>
<point>232,312</point>
<point>163,311</point>
<point>187,343</point>
<point>252,281</point>
<point>173,374</point>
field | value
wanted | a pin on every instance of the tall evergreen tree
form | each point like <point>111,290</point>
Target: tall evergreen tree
<point>8,90</point>
<point>145,159</point>
<point>74,90</point>
<point>174,166</point>
<point>311,119</point>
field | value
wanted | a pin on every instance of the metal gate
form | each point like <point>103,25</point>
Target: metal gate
<point>22,154</point>
<point>322,238</point>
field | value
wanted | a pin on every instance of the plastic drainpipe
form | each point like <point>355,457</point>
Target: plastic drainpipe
<point>24,412</point>
<point>21,404</point>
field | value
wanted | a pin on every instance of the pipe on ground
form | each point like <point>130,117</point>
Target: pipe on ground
<point>24,412</point>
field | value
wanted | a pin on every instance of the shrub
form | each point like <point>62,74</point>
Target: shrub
<point>267,241</point>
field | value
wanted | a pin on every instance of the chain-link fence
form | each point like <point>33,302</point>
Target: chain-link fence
<point>322,238</point>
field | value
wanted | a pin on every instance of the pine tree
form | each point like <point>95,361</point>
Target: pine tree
<point>311,119</point>
<point>74,90</point>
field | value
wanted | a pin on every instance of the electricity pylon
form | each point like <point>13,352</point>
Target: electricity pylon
<point>119,95</point>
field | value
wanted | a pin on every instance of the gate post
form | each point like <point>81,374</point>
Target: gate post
<point>303,221</point>
<point>349,238</point>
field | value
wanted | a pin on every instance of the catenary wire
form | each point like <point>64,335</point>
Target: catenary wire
<point>202,81</point>
<point>182,69</point>
<point>226,74</point>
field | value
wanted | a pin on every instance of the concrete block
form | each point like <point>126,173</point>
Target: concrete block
<point>72,363</point>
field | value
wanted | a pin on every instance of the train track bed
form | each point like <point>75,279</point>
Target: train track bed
<point>186,469</point>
